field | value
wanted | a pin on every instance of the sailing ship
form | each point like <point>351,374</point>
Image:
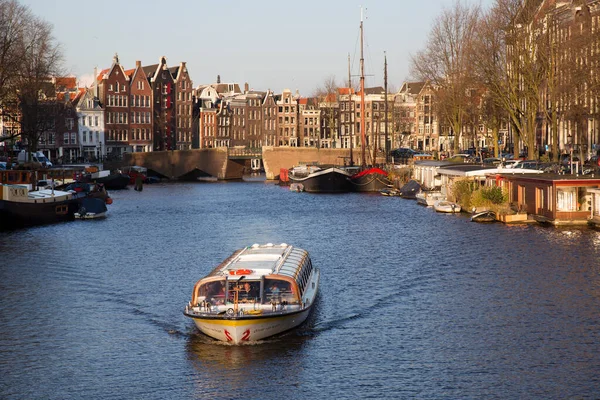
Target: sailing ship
<point>370,178</point>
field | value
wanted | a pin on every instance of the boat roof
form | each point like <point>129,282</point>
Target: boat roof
<point>265,259</point>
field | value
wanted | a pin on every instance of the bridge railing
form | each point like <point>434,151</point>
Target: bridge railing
<point>245,152</point>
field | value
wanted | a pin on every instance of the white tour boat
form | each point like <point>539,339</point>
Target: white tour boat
<point>257,292</point>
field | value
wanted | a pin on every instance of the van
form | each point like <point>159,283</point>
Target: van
<point>36,160</point>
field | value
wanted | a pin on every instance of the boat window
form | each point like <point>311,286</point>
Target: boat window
<point>248,291</point>
<point>213,292</point>
<point>278,291</point>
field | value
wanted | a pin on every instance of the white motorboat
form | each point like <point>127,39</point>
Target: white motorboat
<point>446,206</point>
<point>429,198</point>
<point>257,292</point>
<point>484,216</point>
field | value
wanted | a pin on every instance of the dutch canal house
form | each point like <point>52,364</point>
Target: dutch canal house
<point>90,116</point>
<point>140,106</point>
<point>163,101</point>
<point>113,92</point>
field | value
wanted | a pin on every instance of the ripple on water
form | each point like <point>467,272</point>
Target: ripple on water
<point>413,304</point>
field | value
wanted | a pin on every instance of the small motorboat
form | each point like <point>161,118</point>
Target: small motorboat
<point>91,208</point>
<point>296,187</point>
<point>484,216</point>
<point>257,292</point>
<point>429,198</point>
<point>391,192</point>
<point>445,206</point>
<point>410,190</point>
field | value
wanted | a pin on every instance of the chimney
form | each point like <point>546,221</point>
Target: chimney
<point>138,64</point>
<point>246,87</point>
<point>218,78</point>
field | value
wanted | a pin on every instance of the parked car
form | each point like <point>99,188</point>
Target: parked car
<point>594,161</point>
<point>491,161</point>
<point>565,159</point>
<point>33,160</point>
<point>405,152</point>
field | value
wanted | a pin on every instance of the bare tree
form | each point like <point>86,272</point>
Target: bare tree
<point>511,65</point>
<point>327,98</point>
<point>29,58</point>
<point>446,63</point>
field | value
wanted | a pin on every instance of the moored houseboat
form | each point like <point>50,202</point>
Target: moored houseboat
<point>370,180</point>
<point>321,179</point>
<point>257,292</point>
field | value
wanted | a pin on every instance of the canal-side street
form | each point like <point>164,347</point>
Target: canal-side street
<point>413,303</point>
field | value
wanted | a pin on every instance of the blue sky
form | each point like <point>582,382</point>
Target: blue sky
<point>269,44</point>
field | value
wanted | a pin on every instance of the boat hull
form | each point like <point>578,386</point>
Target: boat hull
<point>114,181</point>
<point>330,180</point>
<point>249,329</point>
<point>371,180</point>
<point>484,216</point>
<point>447,207</point>
<point>16,214</point>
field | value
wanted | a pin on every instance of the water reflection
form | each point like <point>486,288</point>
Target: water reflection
<point>245,368</point>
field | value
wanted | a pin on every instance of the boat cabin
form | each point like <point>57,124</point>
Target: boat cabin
<point>595,205</point>
<point>552,198</point>
<point>274,275</point>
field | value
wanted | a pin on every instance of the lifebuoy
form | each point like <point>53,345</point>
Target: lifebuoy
<point>240,272</point>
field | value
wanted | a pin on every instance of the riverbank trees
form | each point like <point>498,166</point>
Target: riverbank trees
<point>535,64</point>
<point>29,57</point>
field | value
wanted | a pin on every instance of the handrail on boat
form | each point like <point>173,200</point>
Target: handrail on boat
<point>284,256</point>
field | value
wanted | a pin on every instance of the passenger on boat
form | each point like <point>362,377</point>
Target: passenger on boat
<point>274,289</point>
<point>215,292</point>
<point>249,292</point>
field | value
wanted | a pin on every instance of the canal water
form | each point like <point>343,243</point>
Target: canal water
<point>413,304</point>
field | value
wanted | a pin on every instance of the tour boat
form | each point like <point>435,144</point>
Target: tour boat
<point>257,292</point>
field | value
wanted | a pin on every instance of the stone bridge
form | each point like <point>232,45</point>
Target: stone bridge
<point>223,164</point>
<point>189,164</point>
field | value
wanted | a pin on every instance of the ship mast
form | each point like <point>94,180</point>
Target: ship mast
<point>362,95</point>
<point>351,112</point>
<point>385,84</point>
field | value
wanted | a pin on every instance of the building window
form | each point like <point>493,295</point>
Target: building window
<point>66,138</point>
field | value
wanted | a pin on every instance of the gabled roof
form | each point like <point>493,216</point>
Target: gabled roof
<point>101,74</point>
<point>79,95</point>
<point>149,70</point>
<point>130,72</point>
<point>66,83</point>
<point>412,87</point>
<point>345,91</point>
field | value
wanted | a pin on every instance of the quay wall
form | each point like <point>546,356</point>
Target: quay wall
<point>276,158</point>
